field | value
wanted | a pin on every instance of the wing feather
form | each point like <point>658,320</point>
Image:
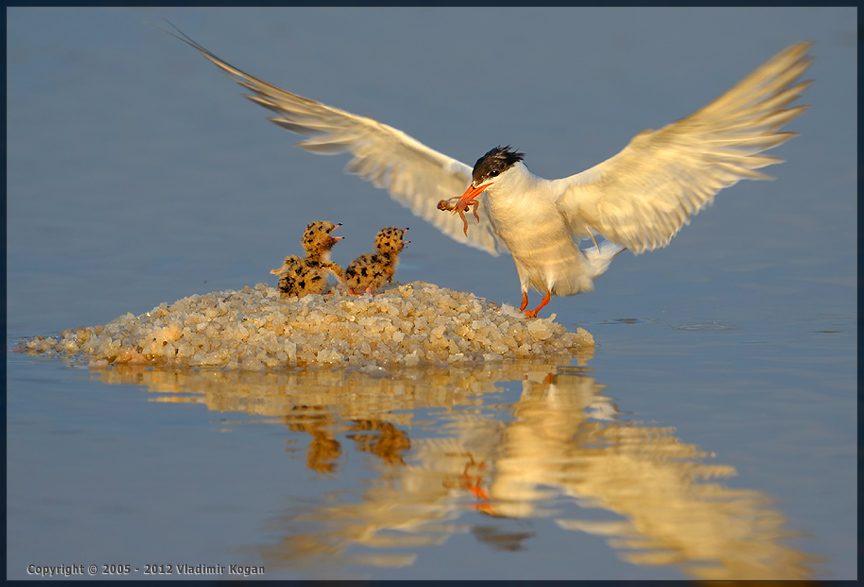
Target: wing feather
<point>642,196</point>
<point>415,175</point>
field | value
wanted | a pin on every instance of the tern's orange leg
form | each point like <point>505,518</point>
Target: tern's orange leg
<point>524,301</point>
<point>543,302</point>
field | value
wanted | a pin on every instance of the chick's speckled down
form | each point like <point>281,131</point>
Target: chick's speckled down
<point>301,276</point>
<point>369,272</point>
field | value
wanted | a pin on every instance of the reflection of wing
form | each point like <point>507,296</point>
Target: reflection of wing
<point>643,195</point>
<point>516,462</point>
<point>415,175</point>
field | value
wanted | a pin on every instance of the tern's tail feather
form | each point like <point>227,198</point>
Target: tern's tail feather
<point>600,256</point>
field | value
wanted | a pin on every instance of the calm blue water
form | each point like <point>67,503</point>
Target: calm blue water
<point>712,434</point>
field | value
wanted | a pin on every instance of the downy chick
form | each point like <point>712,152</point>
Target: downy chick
<point>301,276</point>
<point>370,271</point>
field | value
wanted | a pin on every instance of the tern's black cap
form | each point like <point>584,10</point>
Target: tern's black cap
<point>495,162</point>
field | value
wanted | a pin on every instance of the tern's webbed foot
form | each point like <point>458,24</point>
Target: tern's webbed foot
<point>533,313</point>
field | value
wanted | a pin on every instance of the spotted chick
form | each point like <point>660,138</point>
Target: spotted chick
<point>370,271</point>
<point>300,276</point>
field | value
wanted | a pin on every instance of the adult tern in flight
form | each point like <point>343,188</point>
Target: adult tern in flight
<point>638,199</point>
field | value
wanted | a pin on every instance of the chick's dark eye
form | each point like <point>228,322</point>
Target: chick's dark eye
<point>493,173</point>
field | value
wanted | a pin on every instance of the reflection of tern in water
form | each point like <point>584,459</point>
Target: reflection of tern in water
<point>662,501</point>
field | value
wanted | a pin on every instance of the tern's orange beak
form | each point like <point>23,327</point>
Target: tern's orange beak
<point>471,193</point>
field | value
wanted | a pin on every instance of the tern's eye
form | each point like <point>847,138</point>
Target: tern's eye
<point>494,173</point>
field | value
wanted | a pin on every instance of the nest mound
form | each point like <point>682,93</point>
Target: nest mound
<point>255,329</point>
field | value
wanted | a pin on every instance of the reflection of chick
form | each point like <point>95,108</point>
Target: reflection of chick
<point>370,271</point>
<point>298,277</point>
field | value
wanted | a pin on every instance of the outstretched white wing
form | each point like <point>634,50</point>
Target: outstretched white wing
<point>643,195</point>
<point>415,175</point>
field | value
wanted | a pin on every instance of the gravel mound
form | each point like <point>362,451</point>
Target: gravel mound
<point>254,329</point>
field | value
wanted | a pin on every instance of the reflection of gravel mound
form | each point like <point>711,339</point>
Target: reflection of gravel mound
<point>416,323</point>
